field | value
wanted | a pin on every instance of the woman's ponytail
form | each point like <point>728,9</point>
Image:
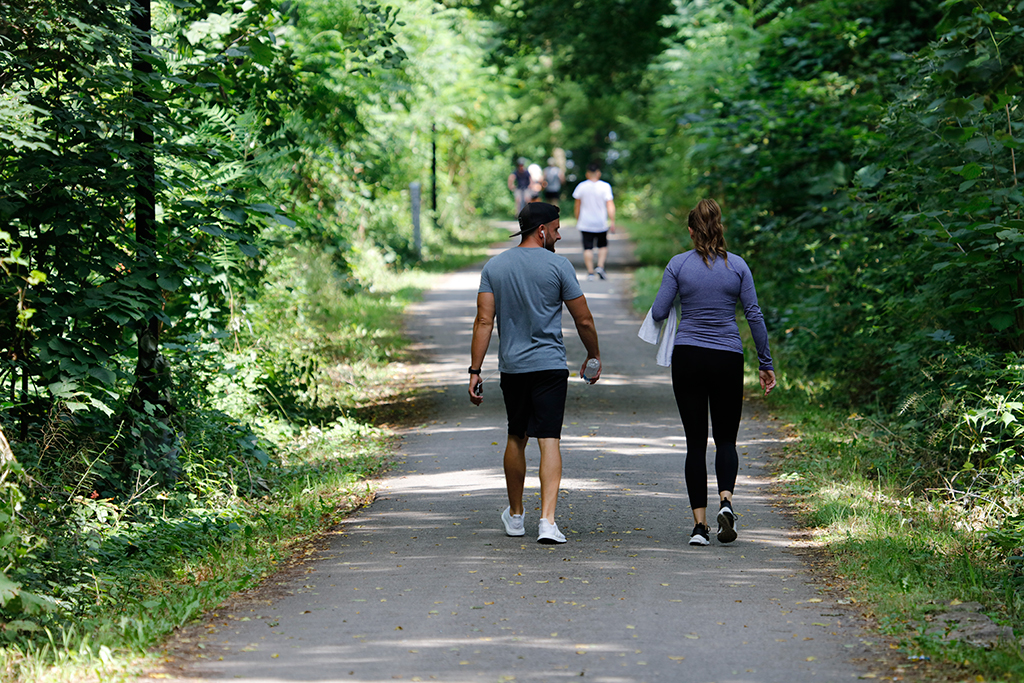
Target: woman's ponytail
<point>705,220</point>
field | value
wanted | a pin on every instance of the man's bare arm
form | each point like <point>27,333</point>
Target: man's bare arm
<point>576,209</point>
<point>586,327</point>
<point>483,327</point>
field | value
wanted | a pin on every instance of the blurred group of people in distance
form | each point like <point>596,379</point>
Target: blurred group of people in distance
<point>594,205</point>
<point>533,184</point>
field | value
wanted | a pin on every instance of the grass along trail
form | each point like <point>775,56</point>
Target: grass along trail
<point>424,584</point>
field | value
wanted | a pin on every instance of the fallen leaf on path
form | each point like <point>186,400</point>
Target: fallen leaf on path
<point>676,659</point>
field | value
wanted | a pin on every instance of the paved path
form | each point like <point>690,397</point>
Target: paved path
<point>424,585</point>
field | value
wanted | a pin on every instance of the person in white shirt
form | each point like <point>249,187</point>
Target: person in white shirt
<point>595,217</point>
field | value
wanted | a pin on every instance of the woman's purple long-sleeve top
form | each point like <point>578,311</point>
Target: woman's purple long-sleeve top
<point>708,299</point>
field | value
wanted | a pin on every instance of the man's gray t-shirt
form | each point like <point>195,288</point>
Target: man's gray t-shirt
<point>529,286</point>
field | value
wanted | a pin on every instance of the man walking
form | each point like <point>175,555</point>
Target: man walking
<point>519,184</point>
<point>523,289</point>
<point>595,216</point>
<point>554,178</point>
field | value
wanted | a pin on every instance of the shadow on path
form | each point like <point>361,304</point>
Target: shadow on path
<point>424,585</point>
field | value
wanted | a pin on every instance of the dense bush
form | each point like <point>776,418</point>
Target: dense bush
<point>865,154</point>
<point>204,224</point>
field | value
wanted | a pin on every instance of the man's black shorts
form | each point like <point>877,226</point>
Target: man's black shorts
<point>535,402</point>
<point>590,237</point>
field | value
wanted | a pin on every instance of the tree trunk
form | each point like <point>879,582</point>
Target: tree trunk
<point>145,184</point>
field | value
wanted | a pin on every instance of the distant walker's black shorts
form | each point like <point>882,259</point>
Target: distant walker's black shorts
<point>589,238</point>
<point>535,402</point>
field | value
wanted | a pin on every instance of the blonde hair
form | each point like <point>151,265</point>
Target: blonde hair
<point>705,220</point>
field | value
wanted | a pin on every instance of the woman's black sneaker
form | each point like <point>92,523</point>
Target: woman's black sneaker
<point>726,523</point>
<point>701,535</point>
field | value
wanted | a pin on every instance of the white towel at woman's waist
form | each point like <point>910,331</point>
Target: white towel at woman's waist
<point>649,332</point>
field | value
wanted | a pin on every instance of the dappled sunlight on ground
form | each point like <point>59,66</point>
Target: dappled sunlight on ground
<point>426,585</point>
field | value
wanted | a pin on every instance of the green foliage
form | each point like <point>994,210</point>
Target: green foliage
<point>270,124</point>
<point>162,374</point>
<point>584,45</point>
<point>953,180</point>
<point>908,556</point>
<point>816,127</point>
<point>576,72</point>
<point>865,154</point>
<point>18,605</point>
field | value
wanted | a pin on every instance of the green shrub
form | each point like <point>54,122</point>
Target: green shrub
<point>20,608</point>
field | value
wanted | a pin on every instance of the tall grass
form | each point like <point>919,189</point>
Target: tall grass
<point>908,553</point>
<point>281,428</point>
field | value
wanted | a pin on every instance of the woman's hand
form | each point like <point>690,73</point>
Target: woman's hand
<point>767,381</point>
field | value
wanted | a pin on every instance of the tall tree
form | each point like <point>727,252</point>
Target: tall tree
<point>580,67</point>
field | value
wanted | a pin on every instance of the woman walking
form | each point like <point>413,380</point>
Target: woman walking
<point>707,361</point>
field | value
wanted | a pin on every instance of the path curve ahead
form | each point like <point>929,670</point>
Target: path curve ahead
<point>424,585</point>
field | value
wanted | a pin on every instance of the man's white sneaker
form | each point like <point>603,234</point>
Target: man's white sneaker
<point>513,523</point>
<point>548,532</point>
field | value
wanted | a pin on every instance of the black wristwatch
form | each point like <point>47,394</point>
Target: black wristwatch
<point>474,371</point>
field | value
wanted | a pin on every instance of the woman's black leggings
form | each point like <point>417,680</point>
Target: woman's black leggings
<point>701,378</point>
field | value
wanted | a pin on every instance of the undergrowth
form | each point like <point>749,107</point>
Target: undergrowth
<point>912,543</point>
<point>919,503</point>
<point>278,427</point>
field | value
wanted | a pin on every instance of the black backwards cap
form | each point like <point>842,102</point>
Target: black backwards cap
<point>535,214</point>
